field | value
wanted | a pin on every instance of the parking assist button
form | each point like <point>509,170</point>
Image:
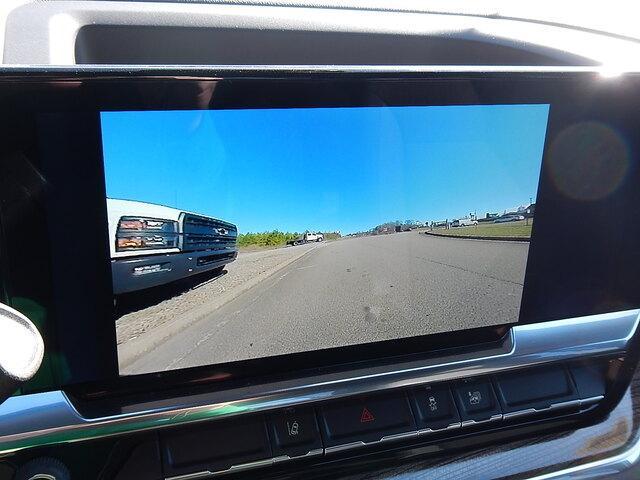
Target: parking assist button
<point>434,406</point>
<point>476,400</point>
<point>294,431</point>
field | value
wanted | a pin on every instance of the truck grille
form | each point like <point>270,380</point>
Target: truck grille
<point>202,233</point>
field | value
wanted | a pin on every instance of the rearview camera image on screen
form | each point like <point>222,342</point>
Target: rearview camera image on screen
<point>241,234</point>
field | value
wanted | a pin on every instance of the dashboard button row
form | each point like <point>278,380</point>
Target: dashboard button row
<point>432,408</point>
<point>305,431</point>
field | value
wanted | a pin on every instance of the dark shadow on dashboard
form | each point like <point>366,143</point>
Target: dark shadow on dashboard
<point>134,301</point>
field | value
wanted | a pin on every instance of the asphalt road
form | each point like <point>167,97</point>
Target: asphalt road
<point>353,291</point>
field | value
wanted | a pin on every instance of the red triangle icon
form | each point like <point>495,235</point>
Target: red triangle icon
<point>366,416</point>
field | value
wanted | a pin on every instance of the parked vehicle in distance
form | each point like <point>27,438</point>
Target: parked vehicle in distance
<point>508,218</point>
<point>464,222</point>
<point>152,245</point>
<point>307,238</point>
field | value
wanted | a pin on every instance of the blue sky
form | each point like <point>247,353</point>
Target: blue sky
<point>327,169</point>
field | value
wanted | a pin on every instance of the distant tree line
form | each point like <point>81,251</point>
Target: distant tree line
<point>266,239</point>
<point>274,238</point>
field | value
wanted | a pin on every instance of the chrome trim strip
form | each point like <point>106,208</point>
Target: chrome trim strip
<point>359,444</point>
<point>346,446</point>
<point>216,71</point>
<point>493,418</point>
<point>587,402</point>
<point>233,469</point>
<point>519,413</point>
<point>551,408</point>
<point>311,453</point>
<point>280,459</point>
<point>397,436</point>
<point>561,406</point>
<point>451,426</point>
<point>50,418</point>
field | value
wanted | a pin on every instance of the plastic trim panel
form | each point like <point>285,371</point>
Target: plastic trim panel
<point>50,418</point>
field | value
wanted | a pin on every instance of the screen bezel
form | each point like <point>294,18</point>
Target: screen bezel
<point>164,90</point>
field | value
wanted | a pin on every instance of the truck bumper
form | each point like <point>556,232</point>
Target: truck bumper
<point>133,274</point>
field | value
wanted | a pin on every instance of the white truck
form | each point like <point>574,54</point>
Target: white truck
<point>464,222</point>
<point>307,238</point>
<point>152,244</point>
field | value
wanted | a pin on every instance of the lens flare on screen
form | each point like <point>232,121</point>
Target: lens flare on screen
<point>588,161</point>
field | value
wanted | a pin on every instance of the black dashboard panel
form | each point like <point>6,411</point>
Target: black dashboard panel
<point>103,423</point>
<point>567,276</point>
<point>575,334</point>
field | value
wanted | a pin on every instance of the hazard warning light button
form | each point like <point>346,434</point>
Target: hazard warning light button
<point>366,419</point>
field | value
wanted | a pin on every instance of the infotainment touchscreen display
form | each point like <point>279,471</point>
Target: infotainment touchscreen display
<point>249,233</point>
